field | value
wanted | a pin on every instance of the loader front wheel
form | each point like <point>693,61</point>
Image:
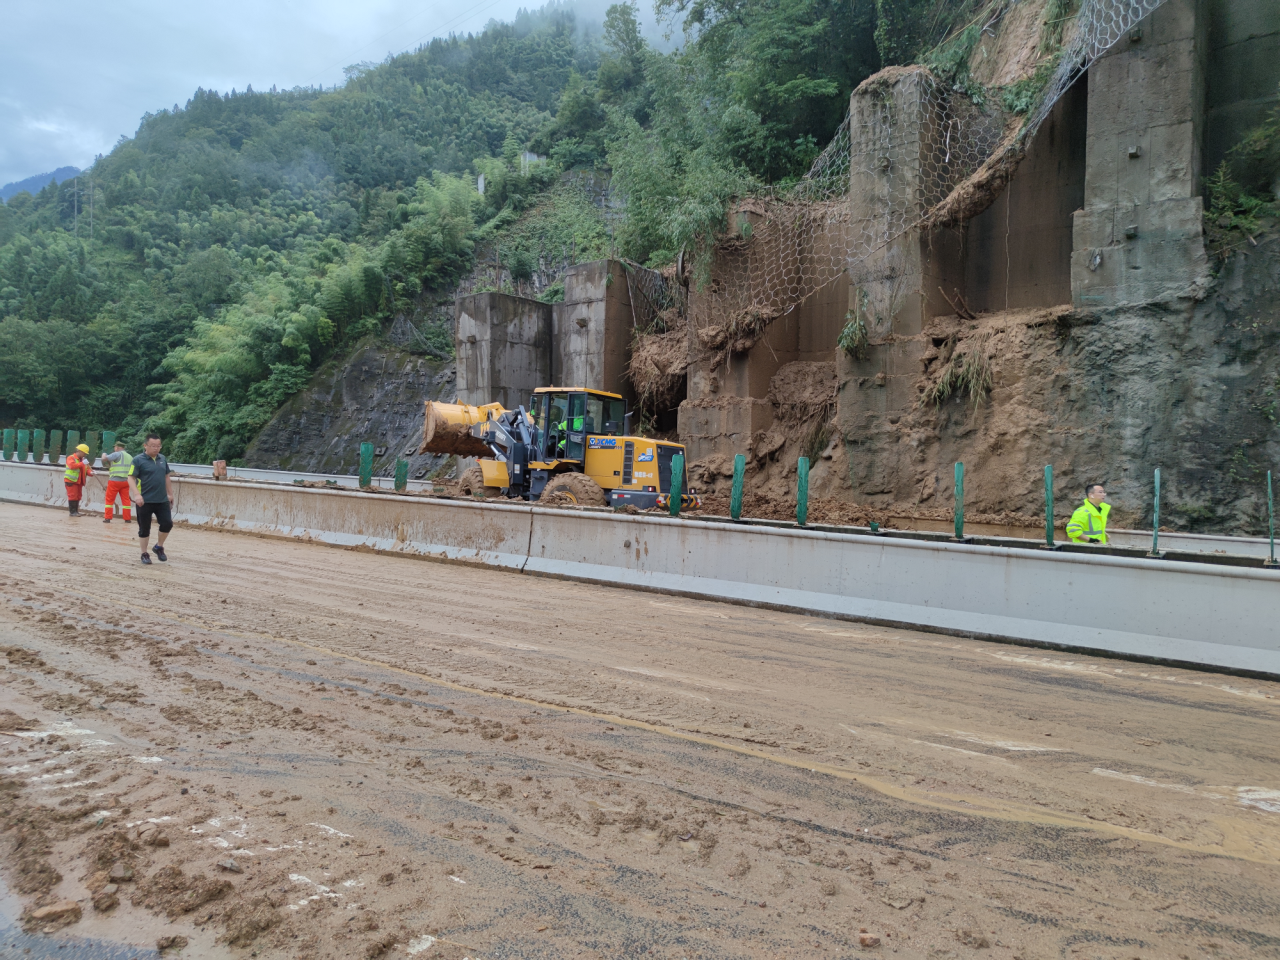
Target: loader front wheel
<point>471,484</point>
<point>576,487</point>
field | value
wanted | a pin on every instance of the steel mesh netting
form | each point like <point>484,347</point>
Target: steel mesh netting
<point>659,349</point>
<point>911,152</point>
<point>657,304</point>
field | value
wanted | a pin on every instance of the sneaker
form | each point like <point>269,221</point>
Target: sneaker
<point>159,552</point>
<point>146,558</point>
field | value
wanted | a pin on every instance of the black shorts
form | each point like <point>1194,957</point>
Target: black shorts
<point>145,511</point>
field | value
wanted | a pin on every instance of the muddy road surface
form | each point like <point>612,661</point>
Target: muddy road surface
<point>277,749</point>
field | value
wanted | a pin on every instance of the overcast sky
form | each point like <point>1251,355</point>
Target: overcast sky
<point>76,77</point>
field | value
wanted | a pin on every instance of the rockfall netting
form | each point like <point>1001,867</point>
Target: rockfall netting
<point>912,153</point>
<point>660,345</point>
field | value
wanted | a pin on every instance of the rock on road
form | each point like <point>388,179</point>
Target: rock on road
<point>302,751</point>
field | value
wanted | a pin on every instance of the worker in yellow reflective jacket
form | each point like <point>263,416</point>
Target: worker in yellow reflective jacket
<point>1089,523</point>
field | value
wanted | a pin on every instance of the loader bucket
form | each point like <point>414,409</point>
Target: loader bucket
<point>446,428</point>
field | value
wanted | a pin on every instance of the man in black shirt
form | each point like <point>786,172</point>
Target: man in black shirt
<point>152,491</point>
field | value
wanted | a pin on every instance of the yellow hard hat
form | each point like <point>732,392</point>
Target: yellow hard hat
<point>83,448</point>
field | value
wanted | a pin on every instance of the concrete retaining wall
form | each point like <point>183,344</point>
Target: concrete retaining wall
<point>1192,613</point>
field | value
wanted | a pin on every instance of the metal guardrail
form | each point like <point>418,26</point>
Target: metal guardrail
<point>1177,546</point>
<point>351,481</point>
<point>1170,611</point>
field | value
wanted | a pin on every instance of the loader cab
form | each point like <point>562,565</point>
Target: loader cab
<point>565,417</point>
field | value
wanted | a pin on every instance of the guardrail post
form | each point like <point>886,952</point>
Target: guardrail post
<point>959,500</point>
<point>94,440</point>
<point>802,490</point>
<point>677,484</point>
<point>108,441</point>
<point>1048,507</point>
<point>366,464</point>
<point>37,443</point>
<point>402,475</point>
<point>55,446</point>
<point>739,476</point>
<point>24,437</point>
<point>73,440</point>
<point>1155,521</point>
<point>1271,525</point>
<point>8,444</point>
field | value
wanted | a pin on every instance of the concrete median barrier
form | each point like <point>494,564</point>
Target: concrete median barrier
<point>1181,612</point>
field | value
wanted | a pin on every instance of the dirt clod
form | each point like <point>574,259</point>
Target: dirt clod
<point>174,893</point>
<point>60,914</point>
<point>10,721</point>
<point>973,938</point>
<point>245,922</point>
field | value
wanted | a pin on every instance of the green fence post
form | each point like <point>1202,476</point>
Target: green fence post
<point>959,500</point>
<point>8,443</point>
<point>55,446</point>
<point>1155,520</point>
<point>37,442</point>
<point>739,475</point>
<point>366,464</point>
<point>1271,524</point>
<point>73,440</point>
<point>1048,505</point>
<point>802,490</point>
<point>24,437</point>
<point>677,484</point>
<point>94,440</point>
<point>108,442</point>
<point>402,475</point>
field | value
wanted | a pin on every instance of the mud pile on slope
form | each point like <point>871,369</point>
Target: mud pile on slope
<point>658,365</point>
<point>802,391</point>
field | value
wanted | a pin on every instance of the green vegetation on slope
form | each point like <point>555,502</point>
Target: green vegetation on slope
<point>241,240</point>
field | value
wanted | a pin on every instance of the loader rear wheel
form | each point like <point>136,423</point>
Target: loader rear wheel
<point>577,487</point>
<point>471,484</point>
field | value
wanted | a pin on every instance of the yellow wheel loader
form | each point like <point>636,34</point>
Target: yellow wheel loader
<point>570,441</point>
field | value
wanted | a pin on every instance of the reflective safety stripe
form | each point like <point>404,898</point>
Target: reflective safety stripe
<point>120,468</point>
<point>1089,522</point>
<point>72,473</point>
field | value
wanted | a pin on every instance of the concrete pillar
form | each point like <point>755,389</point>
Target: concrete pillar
<point>504,348</point>
<point>1243,83</point>
<point>894,122</point>
<point>1139,237</point>
<point>593,328</point>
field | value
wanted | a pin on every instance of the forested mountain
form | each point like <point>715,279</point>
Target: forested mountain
<point>40,180</point>
<point>233,244</point>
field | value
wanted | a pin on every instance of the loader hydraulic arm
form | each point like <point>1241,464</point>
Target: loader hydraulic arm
<point>511,437</point>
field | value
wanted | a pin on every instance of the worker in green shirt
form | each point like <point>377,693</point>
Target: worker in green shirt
<point>1089,523</point>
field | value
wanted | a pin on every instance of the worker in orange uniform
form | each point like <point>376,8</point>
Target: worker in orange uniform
<point>118,485</point>
<point>77,472</point>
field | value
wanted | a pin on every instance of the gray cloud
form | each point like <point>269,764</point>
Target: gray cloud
<point>74,82</point>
